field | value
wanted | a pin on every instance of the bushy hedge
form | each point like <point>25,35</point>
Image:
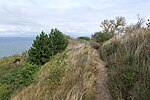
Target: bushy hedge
<point>45,46</point>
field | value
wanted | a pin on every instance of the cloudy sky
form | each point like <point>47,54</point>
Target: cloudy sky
<point>73,17</point>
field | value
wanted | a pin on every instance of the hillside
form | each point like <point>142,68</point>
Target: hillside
<point>79,73</point>
<point>75,74</point>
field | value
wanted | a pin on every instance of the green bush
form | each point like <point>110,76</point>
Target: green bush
<point>84,38</point>
<point>101,37</point>
<point>45,46</point>
<point>17,78</point>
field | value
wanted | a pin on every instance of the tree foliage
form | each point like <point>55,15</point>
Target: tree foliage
<point>58,41</point>
<point>109,29</point>
<point>45,46</point>
<point>113,26</point>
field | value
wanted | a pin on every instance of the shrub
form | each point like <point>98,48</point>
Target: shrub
<point>84,38</point>
<point>45,46</point>
<point>17,78</point>
<point>101,37</point>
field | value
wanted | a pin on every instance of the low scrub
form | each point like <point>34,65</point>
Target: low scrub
<point>84,38</point>
<point>16,76</point>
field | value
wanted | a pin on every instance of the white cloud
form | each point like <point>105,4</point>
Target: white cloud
<point>81,17</point>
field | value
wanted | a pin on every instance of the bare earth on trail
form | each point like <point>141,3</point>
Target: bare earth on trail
<point>102,80</point>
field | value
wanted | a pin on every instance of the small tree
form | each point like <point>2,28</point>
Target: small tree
<point>109,29</point>
<point>115,26</point>
<point>45,46</point>
<point>58,40</point>
<point>39,52</point>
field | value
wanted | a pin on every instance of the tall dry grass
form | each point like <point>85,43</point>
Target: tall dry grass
<point>128,60</point>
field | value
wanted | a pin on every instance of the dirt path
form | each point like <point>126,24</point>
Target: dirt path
<point>102,80</point>
<point>102,92</point>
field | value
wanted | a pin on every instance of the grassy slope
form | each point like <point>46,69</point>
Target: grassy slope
<point>128,59</point>
<point>70,75</point>
<point>78,74</point>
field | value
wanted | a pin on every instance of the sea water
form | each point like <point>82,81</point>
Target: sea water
<point>14,45</point>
